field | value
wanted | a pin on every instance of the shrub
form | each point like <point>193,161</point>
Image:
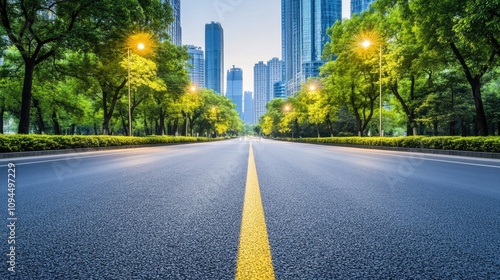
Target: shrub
<point>475,144</point>
<point>23,143</point>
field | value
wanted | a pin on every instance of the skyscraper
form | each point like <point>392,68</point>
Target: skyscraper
<point>274,74</point>
<point>214,57</point>
<point>175,30</point>
<point>197,66</point>
<point>260,90</point>
<point>279,90</point>
<point>248,107</point>
<point>304,25</point>
<point>291,43</point>
<point>235,88</point>
<point>358,6</point>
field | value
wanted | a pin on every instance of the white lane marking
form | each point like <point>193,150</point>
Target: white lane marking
<point>72,156</point>
<point>69,157</point>
<point>424,156</point>
<point>447,161</point>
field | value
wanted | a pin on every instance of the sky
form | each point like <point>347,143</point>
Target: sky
<point>252,30</point>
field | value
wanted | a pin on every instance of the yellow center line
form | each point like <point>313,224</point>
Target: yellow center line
<point>254,252</point>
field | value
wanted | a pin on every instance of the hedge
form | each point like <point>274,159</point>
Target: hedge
<point>475,144</point>
<point>23,143</point>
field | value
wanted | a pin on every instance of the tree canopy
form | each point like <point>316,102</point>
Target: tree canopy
<point>435,64</point>
<point>68,67</point>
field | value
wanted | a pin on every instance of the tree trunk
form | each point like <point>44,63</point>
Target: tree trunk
<point>435,131</point>
<point>452,128</point>
<point>110,90</point>
<point>481,122</point>
<point>2,111</point>
<point>55,123</point>
<point>330,126</point>
<point>24,120</point>
<point>356,114</point>
<point>124,125</point>
<point>175,129</point>
<point>40,122</point>
<point>146,129</point>
<point>411,125</point>
<point>317,129</point>
<point>464,128</point>
<point>162,126</point>
<point>105,126</point>
<point>475,83</point>
<point>72,130</point>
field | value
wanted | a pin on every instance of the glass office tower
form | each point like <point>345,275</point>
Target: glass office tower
<point>304,25</point>
<point>235,88</point>
<point>214,57</point>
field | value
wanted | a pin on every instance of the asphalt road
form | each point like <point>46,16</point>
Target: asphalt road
<point>175,212</point>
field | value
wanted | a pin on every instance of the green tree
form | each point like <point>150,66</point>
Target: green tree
<point>38,29</point>
<point>171,61</point>
<point>409,70</point>
<point>466,30</point>
<point>354,75</point>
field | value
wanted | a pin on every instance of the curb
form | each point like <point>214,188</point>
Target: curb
<point>412,150</point>
<point>83,150</point>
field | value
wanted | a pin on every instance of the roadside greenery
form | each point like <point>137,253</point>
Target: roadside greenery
<point>475,144</point>
<point>65,65</point>
<point>440,74</point>
<point>23,143</point>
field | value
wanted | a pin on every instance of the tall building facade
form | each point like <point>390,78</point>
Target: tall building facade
<point>274,74</point>
<point>279,90</point>
<point>291,43</point>
<point>304,25</point>
<point>196,66</point>
<point>248,107</point>
<point>214,57</point>
<point>175,30</point>
<point>260,90</point>
<point>235,88</point>
<point>358,6</point>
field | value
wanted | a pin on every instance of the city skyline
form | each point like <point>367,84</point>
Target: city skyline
<point>247,40</point>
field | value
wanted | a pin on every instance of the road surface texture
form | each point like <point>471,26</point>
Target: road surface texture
<point>175,212</point>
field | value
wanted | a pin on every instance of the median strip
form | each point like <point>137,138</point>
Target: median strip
<point>254,252</point>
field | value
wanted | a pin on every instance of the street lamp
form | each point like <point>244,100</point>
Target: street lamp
<point>366,44</point>
<point>140,46</point>
<point>137,42</point>
<point>287,109</point>
<point>193,90</point>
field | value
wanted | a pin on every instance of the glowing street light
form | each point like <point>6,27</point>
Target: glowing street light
<point>366,44</point>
